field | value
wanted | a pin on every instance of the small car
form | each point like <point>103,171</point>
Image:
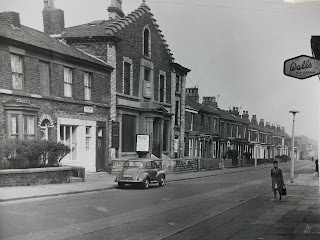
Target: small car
<point>141,171</point>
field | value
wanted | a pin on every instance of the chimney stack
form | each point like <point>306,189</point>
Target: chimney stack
<point>261,123</point>
<point>210,101</point>
<point>53,19</point>
<point>115,10</point>
<point>254,119</point>
<point>273,127</point>
<point>268,125</point>
<point>11,18</point>
<point>245,115</point>
<point>193,93</point>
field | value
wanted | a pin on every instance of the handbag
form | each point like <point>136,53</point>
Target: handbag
<point>284,191</point>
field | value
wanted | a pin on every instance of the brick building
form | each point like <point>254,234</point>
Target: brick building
<point>147,86</point>
<point>52,91</point>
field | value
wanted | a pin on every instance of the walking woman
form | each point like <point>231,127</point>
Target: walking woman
<point>277,180</point>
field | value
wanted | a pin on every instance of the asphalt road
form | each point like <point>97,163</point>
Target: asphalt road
<point>215,207</point>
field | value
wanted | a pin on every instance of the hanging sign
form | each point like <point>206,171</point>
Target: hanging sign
<point>301,67</point>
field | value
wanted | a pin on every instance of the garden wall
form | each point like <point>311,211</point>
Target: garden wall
<point>39,176</point>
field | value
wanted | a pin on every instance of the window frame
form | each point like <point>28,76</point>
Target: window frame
<point>87,86</point>
<point>127,60</point>
<point>163,100</point>
<point>146,52</point>
<point>68,85</point>
<point>43,91</point>
<point>13,72</point>
<point>20,116</point>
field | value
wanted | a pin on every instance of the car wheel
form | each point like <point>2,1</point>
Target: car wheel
<point>161,182</point>
<point>146,183</point>
<point>121,185</point>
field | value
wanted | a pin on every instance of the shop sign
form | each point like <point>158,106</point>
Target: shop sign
<point>302,67</point>
<point>88,109</point>
<point>147,89</point>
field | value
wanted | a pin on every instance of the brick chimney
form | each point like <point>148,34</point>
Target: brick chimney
<point>53,19</point>
<point>210,101</point>
<point>115,9</point>
<point>235,111</point>
<point>245,115</point>
<point>283,129</point>
<point>11,18</point>
<point>279,128</point>
<point>273,127</point>
<point>261,123</point>
<point>254,119</point>
<point>193,93</point>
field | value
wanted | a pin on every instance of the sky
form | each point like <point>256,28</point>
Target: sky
<point>235,49</point>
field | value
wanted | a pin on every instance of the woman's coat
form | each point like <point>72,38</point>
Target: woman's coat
<point>276,176</point>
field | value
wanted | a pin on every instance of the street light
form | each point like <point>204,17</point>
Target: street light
<point>292,144</point>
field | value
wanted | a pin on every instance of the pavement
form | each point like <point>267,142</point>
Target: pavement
<point>101,181</point>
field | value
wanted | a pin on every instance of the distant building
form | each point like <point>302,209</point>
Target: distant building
<point>52,91</point>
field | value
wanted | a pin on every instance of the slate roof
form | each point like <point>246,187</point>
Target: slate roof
<point>39,39</point>
<point>110,28</point>
<point>200,107</point>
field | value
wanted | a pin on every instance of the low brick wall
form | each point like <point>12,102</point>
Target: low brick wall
<point>197,164</point>
<point>38,176</point>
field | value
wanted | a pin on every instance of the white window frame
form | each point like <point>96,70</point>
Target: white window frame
<point>87,78</point>
<point>128,61</point>
<point>21,132</point>
<point>68,80</point>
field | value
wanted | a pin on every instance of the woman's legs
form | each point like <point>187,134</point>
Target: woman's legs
<point>275,194</point>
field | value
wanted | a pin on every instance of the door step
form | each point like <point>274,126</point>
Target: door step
<point>75,179</point>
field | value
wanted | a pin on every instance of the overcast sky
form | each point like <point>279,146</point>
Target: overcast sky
<point>235,49</point>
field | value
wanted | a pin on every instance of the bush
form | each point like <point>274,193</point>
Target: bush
<point>247,155</point>
<point>33,153</point>
<point>232,154</point>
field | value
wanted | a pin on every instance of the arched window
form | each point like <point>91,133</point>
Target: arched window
<point>146,42</point>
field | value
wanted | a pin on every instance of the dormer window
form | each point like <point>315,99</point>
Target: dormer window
<point>146,42</point>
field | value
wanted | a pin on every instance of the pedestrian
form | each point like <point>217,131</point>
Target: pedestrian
<point>277,180</point>
<point>317,167</point>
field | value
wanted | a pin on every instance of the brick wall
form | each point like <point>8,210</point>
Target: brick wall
<point>31,75</point>
<point>57,80</point>
<point>131,47</point>
<point>5,70</point>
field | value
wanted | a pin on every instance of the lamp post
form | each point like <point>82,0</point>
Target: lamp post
<point>292,144</point>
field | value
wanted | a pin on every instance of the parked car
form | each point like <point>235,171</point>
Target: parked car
<point>141,171</point>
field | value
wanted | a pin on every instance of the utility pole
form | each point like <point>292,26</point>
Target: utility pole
<point>292,145</point>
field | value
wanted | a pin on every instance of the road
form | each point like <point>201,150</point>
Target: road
<point>218,207</point>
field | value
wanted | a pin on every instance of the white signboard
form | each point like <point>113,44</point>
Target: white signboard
<point>176,145</point>
<point>301,67</point>
<point>88,109</point>
<point>143,143</point>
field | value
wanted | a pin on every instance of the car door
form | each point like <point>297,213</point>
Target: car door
<point>154,171</point>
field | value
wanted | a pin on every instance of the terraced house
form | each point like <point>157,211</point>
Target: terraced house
<point>52,91</point>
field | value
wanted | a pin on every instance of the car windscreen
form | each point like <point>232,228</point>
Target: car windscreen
<point>133,164</point>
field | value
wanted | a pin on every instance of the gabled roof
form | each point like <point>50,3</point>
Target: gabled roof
<point>267,130</point>
<point>41,40</point>
<point>228,116</point>
<point>111,28</point>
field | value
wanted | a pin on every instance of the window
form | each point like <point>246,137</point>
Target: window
<point>146,43</point>
<point>44,78</point>
<point>176,122</point>
<point>178,83</point>
<point>88,138</point>
<point>128,133</point>
<point>190,148</point>
<point>68,82</point>
<point>162,89</point>
<point>147,74</point>
<point>21,126</point>
<point>196,148</point>
<point>17,71</point>
<point>29,127</point>
<point>191,121</point>
<point>87,86</point>
<point>126,78</point>
<point>68,136</point>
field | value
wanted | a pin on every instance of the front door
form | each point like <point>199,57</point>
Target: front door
<point>101,146</point>
<point>156,145</point>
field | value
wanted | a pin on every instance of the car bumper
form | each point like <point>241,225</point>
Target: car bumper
<point>127,181</point>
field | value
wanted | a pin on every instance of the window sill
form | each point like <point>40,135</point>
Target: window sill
<point>131,97</point>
